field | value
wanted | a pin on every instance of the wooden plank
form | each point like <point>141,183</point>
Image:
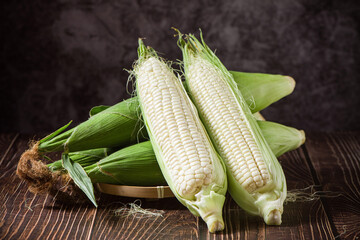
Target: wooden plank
<point>336,160</point>
<point>24,215</point>
<point>301,220</point>
<point>176,221</point>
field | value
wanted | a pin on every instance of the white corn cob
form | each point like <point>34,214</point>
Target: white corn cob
<point>225,120</point>
<point>256,180</point>
<point>183,150</point>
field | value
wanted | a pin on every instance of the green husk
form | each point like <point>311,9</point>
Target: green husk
<point>268,201</point>
<point>209,200</point>
<point>281,138</point>
<point>134,165</point>
<point>116,126</point>
<point>260,90</point>
<point>84,158</point>
<point>79,176</point>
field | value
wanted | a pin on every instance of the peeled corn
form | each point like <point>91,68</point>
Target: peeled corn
<point>187,159</point>
<point>256,180</point>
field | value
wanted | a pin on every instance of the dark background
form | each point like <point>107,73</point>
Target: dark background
<point>59,58</point>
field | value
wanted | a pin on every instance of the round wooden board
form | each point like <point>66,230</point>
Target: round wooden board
<point>135,191</point>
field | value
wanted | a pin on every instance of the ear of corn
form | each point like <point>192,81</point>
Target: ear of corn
<point>256,180</point>
<point>281,138</point>
<point>187,159</point>
<point>259,90</point>
<point>117,126</point>
<point>134,165</point>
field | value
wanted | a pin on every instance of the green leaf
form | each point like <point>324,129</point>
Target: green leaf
<point>81,179</point>
<point>55,133</point>
<point>95,110</point>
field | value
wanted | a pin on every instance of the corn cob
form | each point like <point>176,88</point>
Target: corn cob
<point>256,180</point>
<point>187,159</point>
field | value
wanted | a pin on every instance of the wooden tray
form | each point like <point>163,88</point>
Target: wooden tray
<point>136,191</point>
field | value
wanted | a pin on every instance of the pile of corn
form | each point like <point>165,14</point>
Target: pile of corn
<point>202,137</point>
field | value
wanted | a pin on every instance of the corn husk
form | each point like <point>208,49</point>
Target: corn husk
<point>281,138</point>
<point>84,158</point>
<point>259,90</point>
<point>135,165</point>
<point>117,126</point>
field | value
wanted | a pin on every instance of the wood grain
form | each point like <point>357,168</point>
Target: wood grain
<point>176,221</point>
<point>301,220</point>
<point>329,159</point>
<point>24,215</point>
<point>336,160</point>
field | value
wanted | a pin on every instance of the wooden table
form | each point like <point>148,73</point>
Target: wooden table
<point>331,162</point>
